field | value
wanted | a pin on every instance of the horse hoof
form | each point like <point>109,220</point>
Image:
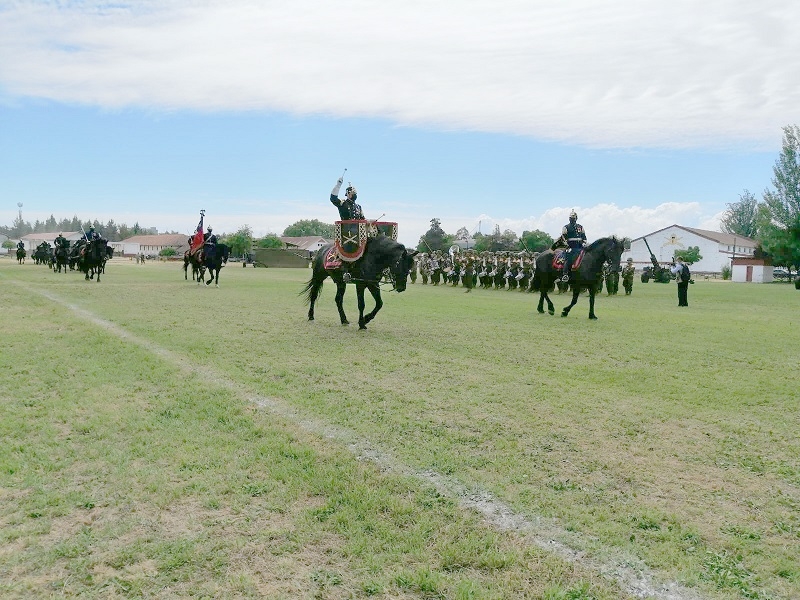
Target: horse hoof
<point>540,311</point>
<point>551,312</point>
<point>592,317</point>
<point>563,314</point>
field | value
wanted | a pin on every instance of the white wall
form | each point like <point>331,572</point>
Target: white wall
<point>665,243</point>
<point>761,274</point>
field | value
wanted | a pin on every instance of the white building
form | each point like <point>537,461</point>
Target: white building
<point>716,248</point>
<point>33,240</point>
<point>151,245</point>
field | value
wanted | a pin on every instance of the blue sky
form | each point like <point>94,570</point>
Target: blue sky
<point>638,115</point>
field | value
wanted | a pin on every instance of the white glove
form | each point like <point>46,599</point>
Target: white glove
<point>337,187</point>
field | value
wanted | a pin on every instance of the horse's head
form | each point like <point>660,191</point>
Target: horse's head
<point>401,267</point>
<point>613,249</point>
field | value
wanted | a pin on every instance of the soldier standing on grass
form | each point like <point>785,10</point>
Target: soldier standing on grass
<point>627,277</point>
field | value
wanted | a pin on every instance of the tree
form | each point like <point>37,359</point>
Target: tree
<point>691,255</point>
<point>270,241</point>
<point>741,218</point>
<point>307,227</point>
<point>780,219</point>
<point>497,242</point>
<point>240,242</point>
<point>435,238</point>
<point>462,234</point>
<point>8,244</point>
<point>536,241</point>
<point>169,251</point>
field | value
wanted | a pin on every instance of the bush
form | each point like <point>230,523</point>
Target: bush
<point>726,272</point>
<point>167,252</point>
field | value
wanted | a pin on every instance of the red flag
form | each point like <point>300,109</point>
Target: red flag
<point>197,239</point>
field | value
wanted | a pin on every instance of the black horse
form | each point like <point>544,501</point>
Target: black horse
<point>608,249</point>
<point>92,256</point>
<point>381,253</point>
<point>21,254</point>
<point>61,259</point>
<point>213,264</point>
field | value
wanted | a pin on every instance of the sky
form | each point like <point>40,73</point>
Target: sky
<point>637,114</point>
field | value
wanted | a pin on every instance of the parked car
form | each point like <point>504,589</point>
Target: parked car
<point>781,273</point>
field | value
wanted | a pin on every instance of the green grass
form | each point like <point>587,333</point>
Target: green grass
<point>661,434</point>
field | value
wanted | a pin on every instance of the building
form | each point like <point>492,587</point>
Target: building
<point>308,243</point>
<point>751,270</point>
<point>33,240</point>
<point>151,245</point>
<point>716,248</point>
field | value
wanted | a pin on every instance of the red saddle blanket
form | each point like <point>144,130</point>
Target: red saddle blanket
<point>559,257</point>
<point>332,259</point>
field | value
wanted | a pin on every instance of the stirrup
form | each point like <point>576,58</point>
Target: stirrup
<point>565,278</point>
<point>346,277</point>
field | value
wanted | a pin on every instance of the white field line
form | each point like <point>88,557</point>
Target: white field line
<point>629,572</point>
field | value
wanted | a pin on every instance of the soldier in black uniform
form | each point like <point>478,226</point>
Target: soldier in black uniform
<point>60,241</point>
<point>92,235</point>
<point>20,245</point>
<point>575,237</point>
<point>348,209</point>
<point>209,244</point>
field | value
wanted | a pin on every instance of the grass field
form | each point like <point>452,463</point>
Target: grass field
<point>161,439</point>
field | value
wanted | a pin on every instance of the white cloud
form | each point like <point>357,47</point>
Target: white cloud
<point>669,73</point>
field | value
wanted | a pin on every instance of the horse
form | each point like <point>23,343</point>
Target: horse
<point>21,254</point>
<point>380,253</point>
<point>214,264</point>
<point>92,257</point>
<point>61,258</point>
<point>194,259</point>
<point>607,249</point>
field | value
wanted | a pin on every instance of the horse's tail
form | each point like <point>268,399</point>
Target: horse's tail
<point>309,289</point>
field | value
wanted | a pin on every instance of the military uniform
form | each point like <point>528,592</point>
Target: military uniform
<point>627,277</point>
<point>209,244</point>
<point>575,238</point>
<point>348,209</point>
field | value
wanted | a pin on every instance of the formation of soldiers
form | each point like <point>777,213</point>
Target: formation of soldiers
<point>497,270</point>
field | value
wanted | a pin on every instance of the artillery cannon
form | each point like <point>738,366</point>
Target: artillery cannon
<point>657,273</point>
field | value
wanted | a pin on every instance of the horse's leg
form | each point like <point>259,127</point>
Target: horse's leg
<point>576,291</point>
<point>341,286</point>
<point>376,295</point>
<point>591,304</point>
<point>210,276</point>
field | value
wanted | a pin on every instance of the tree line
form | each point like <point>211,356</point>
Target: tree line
<point>774,220</point>
<point>112,231</point>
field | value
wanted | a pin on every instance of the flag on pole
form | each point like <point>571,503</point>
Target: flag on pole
<point>197,239</point>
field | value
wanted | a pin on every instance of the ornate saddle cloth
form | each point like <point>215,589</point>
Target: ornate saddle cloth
<point>559,257</point>
<point>332,259</point>
<point>350,237</point>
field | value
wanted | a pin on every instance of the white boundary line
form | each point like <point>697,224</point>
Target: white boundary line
<point>629,572</point>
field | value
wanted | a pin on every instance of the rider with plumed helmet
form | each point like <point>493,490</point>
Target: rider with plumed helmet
<point>209,243</point>
<point>348,209</point>
<point>575,238</point>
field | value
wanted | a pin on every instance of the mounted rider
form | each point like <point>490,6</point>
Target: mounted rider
<point>92,234</point>
<point>209,244</point>
<point>575,238</point>
<point>61,241</point>
<point>21,245</point>
<point>348,209</point>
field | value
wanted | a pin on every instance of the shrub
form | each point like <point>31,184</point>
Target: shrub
<point>726,272</point>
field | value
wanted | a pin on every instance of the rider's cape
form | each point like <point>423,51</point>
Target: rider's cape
<point>350,237</point>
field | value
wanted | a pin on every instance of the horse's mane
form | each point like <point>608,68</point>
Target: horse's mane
<point>603,240</point>
<point>385,243</point>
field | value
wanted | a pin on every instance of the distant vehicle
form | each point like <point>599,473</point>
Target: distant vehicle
<point>781,273</point>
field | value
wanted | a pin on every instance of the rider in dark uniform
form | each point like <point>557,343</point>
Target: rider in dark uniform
<point>575,237</point>
<point>209,244</point>
<point>348,209</point>
<point>20,245</point>
<point>60,241</point>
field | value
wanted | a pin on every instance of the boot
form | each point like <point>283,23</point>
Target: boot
<point>565,276</point>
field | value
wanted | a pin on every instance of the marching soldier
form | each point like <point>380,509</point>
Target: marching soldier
<point>627,277</point>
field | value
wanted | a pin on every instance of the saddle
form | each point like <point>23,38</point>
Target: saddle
<point>559,258</point>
